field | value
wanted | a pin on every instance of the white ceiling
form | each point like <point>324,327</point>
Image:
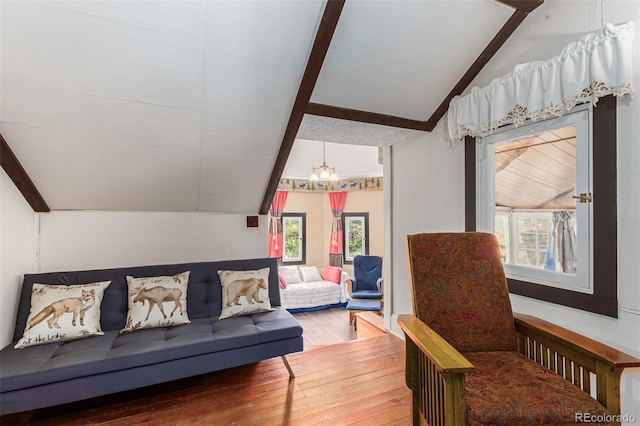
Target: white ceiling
<point>182,106</point>
<point>350,161</point>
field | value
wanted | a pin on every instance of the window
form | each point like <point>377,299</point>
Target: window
<point>502,232</point>
<point>563,187</point>
<point>534,171</point>
<point>531,234</point>
<point>294,236</point>
<point>355,228</point>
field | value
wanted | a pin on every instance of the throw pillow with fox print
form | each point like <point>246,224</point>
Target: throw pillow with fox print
<point>60,313</point>
<point>157,302</point>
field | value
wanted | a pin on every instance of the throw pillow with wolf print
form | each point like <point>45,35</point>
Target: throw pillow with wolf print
<point>157,302</point>
<point>244,292</point>
<point>60,313</point>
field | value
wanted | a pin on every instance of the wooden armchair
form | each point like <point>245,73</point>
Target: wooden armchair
<point>470,362</point>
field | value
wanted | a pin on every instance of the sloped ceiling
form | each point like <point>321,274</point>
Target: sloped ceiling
<point>182,106</point>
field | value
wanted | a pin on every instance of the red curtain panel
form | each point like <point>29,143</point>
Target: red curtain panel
<point>337,200</point>
<point>275,225</point>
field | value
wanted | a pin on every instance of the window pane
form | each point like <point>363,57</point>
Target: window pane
<point>292,237</point>
<point>293,230</point>
<point>355,239</point>
<point>502,234</point>
<point>535,179</point>
<point>355,235</point>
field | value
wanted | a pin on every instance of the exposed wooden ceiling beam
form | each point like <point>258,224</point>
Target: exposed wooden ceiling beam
<point>20,178</point>
<point>368,117</point>
<point>326,29</point>
<point>523,7</point>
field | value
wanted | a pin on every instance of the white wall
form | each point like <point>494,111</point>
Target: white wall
<point>428,196</point>
<point>428,176</point>
<point>17,252</point>
<point>71,240</point>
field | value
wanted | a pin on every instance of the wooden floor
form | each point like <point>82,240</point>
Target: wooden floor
<point>355,382</point>
<point>326,327</point>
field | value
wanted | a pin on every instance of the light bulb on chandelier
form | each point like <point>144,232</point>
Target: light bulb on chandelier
<point>326,173</point>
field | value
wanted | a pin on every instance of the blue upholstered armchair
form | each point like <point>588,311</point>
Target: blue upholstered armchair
<point>367,282</point>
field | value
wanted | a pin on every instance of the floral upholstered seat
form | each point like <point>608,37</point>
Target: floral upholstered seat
<point>506,388</point>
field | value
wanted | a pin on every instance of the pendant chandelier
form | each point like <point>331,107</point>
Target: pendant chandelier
<point>324,172</point>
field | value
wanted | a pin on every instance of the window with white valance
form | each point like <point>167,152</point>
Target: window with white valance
<point>599,64</point>
<point>510,128</point>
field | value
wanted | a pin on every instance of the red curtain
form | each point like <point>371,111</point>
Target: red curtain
<point>275,225</point>
<point>337,200</point>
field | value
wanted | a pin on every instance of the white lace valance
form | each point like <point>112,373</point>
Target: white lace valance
<point>599,64</point>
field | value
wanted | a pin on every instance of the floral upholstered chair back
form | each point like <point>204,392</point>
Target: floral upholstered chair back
<point>460,291</point>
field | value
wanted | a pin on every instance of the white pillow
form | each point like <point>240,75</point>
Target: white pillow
<point>310,273</point>
<point>290,274</point>
<point>244,292</point>
<point>148,298</point>
<point>52,302</point>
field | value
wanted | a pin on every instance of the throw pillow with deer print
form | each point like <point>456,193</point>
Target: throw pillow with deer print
<point>60,313</point>
<point>244,292</point>
<point>157,302</point>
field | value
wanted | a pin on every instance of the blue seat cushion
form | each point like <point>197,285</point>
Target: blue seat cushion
<point>366,294</point>
<point>54,362</point>
<point>363,305</point>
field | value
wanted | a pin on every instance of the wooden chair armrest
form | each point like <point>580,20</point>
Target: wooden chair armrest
<point>574,357</point>
<point>444,356</point>
<point>528,325</point>
<point>349,283</point>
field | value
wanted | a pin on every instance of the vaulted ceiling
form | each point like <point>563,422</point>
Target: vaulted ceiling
<point>195,106</point>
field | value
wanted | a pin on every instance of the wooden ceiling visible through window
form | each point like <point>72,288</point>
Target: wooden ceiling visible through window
<point>537,172</point>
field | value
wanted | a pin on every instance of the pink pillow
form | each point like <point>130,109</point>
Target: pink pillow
<point>331,273</point>
<point>281,281</point>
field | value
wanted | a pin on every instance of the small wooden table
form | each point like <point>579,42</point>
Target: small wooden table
<point>369,324</point>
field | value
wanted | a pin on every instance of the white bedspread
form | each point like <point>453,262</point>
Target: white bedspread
<point>312,294</point>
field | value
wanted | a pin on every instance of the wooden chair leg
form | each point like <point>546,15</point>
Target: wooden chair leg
<point>415,409</point>
<point>286,364</point>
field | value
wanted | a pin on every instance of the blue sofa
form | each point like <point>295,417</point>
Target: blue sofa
<point>57,373</point>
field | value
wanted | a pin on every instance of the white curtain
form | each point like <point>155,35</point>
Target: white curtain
<point>599,64</point>
<point>561,243</point>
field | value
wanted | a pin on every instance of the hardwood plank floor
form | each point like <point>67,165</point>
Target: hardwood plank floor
<point>325,327</point>
<point>355,382</point>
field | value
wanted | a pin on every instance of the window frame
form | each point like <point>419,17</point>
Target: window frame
<point>579,117</point>
<point>506,213</point>
<point>345,235</point>
<point>604,250</point>
<point>303,237</point>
